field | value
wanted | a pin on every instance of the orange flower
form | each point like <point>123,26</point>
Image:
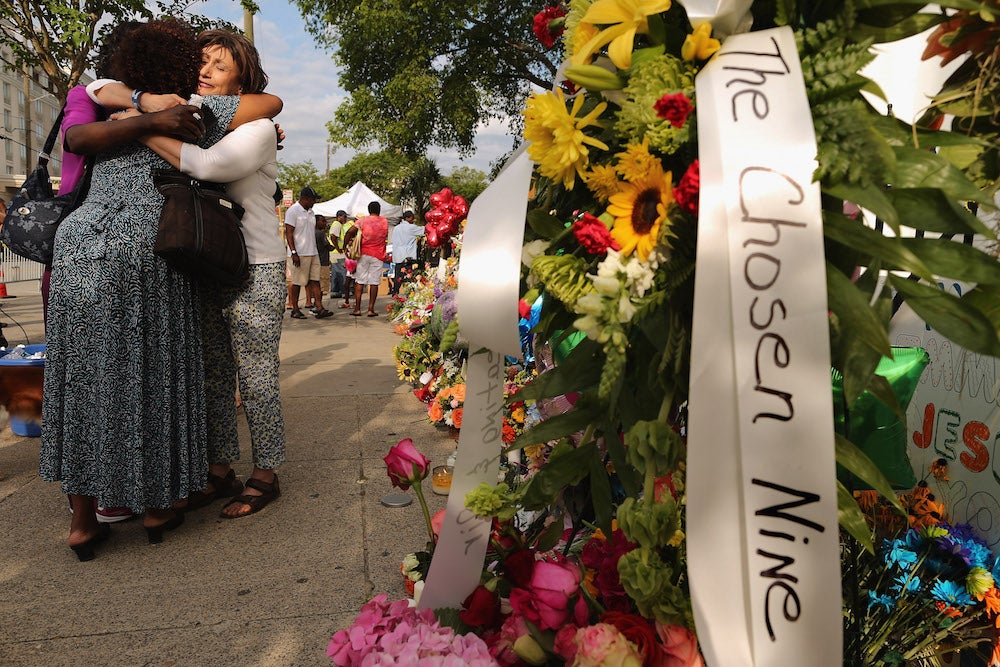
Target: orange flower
<point>456,417</point>
<point>458,391</point>
<point>866,500</point>
<point>940,470</point>
<point>991,599</point>
<point>435,412</point>
<point>946,610</point>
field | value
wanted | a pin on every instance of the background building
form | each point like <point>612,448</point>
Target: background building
<point>28,112</point>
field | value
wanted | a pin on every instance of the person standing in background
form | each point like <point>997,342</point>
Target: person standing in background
<point>338,272</point>
<point>323,249</point>
<point>404,249</point>
<point>374,231</point>
<point>300,236</point>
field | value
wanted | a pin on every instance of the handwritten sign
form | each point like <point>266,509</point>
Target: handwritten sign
<point>762,515</point>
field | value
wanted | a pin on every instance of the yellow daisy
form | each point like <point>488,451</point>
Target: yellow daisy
<point>558,145</point>
<point>635,161</point>
<point>625,19</point>
<point>699,44</point>
<point>639,209</point>
<point>602,180</point>
<point>584,33</point>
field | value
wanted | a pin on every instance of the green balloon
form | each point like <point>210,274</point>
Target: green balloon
<point>873,426</point>
<point>566,345</point>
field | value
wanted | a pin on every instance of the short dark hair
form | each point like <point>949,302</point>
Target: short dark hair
<point>307,192</point>
<point>253,79</point>
<point>374,208</point>
<point>407,214</point>
<point>341,212</point>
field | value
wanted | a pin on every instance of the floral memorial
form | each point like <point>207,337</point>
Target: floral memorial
<point>648,217</point>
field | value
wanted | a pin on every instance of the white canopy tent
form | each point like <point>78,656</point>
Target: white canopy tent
<point>355,202</point>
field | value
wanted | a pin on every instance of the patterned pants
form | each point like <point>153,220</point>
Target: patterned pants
<point>241,329</point>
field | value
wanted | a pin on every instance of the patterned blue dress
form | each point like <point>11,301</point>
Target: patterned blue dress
<point>123,417</point>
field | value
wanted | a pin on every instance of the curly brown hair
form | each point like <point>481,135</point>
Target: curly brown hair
<point>160,56</point>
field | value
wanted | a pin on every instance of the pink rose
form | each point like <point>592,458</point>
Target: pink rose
<point>680,645</point>
<point>686,191</point>
<point>405,464</point>
<point>545,602</point>
<point>675,108</point>
<point>437,522</point>
<point>601,645</point>
<point>564,644</point>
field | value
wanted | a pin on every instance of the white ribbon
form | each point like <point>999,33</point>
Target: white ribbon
<point>762,540</point>
<point>727,17</point>
<point>488,275</point>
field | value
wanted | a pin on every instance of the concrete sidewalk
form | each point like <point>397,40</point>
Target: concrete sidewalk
<point>263,590</point>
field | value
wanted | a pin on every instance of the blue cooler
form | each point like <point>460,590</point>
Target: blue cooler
<point>18,425</point>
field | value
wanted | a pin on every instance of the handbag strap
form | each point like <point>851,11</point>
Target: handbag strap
<point>43,157</point>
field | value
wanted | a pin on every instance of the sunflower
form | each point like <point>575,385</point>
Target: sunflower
<point>558,145</point>
<point>625,18</point>
<point>639,209</point>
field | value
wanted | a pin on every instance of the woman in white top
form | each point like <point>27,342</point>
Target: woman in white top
<point>241,326</point>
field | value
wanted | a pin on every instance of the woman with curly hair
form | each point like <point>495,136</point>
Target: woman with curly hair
<point>124,409</point>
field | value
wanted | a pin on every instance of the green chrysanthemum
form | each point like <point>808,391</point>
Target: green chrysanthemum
<point>649,81</point>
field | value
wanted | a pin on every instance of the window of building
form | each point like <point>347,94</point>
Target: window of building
<point>38,130</point>
<point>10,169</point>
<point>38,108</point>
<point>9,149</point>
<point>20,99</point>
<point>6,120</point>
<point>6,92</point>
<point>24,152</point>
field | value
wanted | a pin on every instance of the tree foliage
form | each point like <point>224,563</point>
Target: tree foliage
<point>428,73</point>
<point>466,181</point>
<point>60,37</point>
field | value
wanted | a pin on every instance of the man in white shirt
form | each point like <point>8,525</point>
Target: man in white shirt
<point>300,236</point>
<point>404,249</point>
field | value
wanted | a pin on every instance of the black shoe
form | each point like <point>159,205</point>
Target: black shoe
<point>155,533</point>
<point>85,550</point>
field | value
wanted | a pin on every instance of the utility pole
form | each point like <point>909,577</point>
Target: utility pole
<point>327,159</point>
<point>248,24</point>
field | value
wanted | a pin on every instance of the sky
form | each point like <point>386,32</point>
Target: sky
<point>305,77</point>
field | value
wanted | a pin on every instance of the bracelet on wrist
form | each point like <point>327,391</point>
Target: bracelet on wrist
<point>136,94</point>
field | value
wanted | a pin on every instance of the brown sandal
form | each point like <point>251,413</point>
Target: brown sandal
<point>257,503</point>
<point>225,487</point>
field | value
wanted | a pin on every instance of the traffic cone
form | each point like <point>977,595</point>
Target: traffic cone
<point>3,288</point>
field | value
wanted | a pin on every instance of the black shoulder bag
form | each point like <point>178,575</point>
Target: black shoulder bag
<point>34,214</point>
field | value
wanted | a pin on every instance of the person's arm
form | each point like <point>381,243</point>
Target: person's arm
<point>256,106</point>
<point>113,94</point>
<point>290,241</point>
<point>237,155</point>
<point>92,138</point>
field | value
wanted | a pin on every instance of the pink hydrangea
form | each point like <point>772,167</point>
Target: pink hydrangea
<point>393,633</point>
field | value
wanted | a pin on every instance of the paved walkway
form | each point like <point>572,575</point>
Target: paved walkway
<point>259,591</point>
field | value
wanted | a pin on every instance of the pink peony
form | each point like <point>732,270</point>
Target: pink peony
<point>593,235</point>
<point>674,108</point>
<point>601,645</point>
<point>686,191</point>
<point>545,601</point>
<point>405,464</point>
<point>680,645</point>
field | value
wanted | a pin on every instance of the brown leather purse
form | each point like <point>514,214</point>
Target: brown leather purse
<point>199,231</point>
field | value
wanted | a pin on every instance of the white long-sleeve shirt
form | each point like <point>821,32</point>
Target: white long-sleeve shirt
<point>246,160</point>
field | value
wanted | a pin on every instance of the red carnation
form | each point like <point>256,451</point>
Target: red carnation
<point>674,107</point>
<point>686,192</point>
<point>593,235</point>
<point>545,26</point>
